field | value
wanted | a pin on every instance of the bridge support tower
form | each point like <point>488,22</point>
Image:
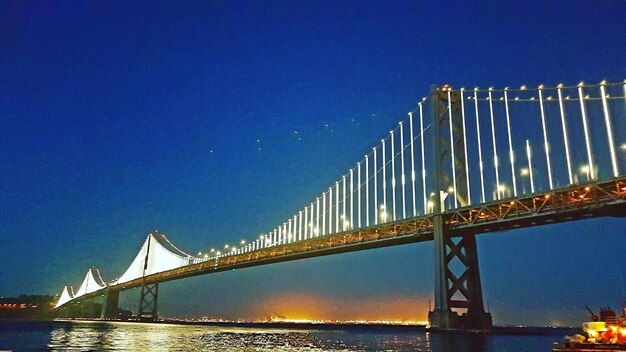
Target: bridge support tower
<point>148,302</point>
<point>109,306</point>
<point>457,277</point>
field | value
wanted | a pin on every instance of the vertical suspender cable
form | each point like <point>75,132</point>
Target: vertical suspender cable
<point>367,191</point>
<point>583,113</point>
<point>351,216</point>
<point>343,205</point>
<point>495,149</point>
<point>358,186</point>
<point>412,163</point>
<point>609,129</point>
<point>402,170</point>
<point>546,145</point>
<point>508,130</point>
<point>324,216</point>
<point>565,137</point>
<point>423,158</point>
<point>375,190</point>
<point>384,171</point>
<point>336,206</point>
<point>393,177</point>
<point>480,150</point>
<point>467,177</point>
<point>452,154</point>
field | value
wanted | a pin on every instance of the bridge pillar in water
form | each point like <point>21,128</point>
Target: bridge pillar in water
<point>457,283</point>
<point>109,306</point>
<point>148,302</point>
<point>457,277</point>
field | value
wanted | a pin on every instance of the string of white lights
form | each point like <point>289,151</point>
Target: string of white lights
<point>402,180</point>
<point>508,130</point>
<point>393,177</point>
<point>546,145</point>
<point>583,113</point>
<point>384,206</point>
<point>465,155</point>
<point>452,154</point>
<point>412,164</point>
<point>565,137</point>
<point>495,149</point>
<point>375,190</point>
<point>359,192</point>
<point>423,158</point>
<point>480,150</point>
<point>609,129</point>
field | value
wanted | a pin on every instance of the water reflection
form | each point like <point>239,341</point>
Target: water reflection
<point>100,336</point>
<point>144,337</point>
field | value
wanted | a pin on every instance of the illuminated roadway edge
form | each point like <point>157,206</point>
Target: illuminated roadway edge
<point>578,202</point>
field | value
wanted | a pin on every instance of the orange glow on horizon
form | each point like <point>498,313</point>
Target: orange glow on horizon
<point>306,307</point>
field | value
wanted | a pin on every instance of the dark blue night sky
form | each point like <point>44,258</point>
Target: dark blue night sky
<point>215,121</point>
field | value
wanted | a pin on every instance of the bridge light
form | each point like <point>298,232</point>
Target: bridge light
<point>243,242</point>
<point>212,250</point>
<point>199,254</point>
<point>226,246</point>
<point>586,170</point>
<point>623,146</point>
<point>524,172</point>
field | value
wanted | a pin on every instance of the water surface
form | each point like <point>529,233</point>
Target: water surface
<point>117,336</point>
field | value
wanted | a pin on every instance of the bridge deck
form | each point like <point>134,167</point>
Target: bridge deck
<point>594,199</point>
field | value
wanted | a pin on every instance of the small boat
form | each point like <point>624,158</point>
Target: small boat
<point>604,333</point>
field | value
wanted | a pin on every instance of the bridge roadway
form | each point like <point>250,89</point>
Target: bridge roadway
<point>578,202</point>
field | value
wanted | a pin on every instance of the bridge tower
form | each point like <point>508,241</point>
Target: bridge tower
<point>149,292</point>
<point>457,277</point>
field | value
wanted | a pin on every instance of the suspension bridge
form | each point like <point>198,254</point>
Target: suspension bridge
<point>462,163</point>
